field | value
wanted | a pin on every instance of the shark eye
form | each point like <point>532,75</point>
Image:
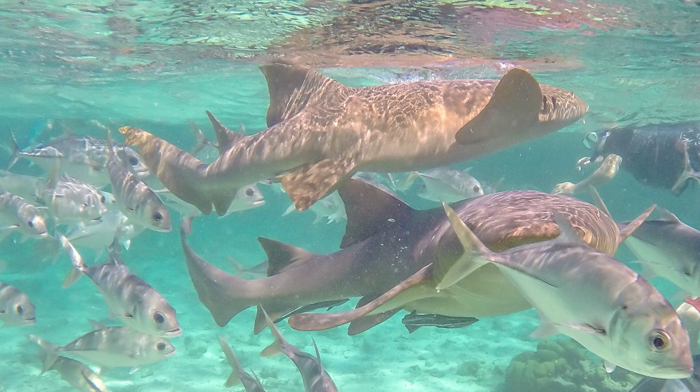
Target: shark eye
<point>660,341</point>
<point>19,309</point>
<point>133,161</point>
<point>249,192</point>
<point>160,346</point>
<point>158,318</point>
<point>157,217</point>
<point>30,224</point>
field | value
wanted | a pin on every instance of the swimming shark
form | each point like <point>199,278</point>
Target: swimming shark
<point>386,258</point>
<point>320,132</point>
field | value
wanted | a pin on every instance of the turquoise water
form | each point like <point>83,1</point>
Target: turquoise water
<point>157,65</point>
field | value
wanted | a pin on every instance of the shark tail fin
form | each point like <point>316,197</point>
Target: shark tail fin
<point>49,350</point>
<point>183,174</point>
<point>293,87</point>
<point>235,376</point>
<point>475,255</point>
<point>223,294</point>
<point>79,267</point>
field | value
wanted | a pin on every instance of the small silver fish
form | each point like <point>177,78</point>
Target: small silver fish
<point>26,187</point>
<point>589,296</point>
<point>315,377</point>
<point>82,157</point>
<point>71,201</point>
<point>15,307</point>
<point>129,298</point>
<point>113,227</point>
<point>669,248</point>
<point>330,208</point>
<point>79,376</point>
<point>112,347</point>
<point>247,197</point>
<point>251,384</point>
<point>16,214</point>
<point>134,198</point>
<point>448,185</point>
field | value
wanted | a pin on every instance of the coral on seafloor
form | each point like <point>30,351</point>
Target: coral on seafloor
<point>563,365</point>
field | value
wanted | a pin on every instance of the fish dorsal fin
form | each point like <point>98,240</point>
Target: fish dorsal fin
<point>97,325</point>
<point>598,201</point>
<point>370,211</point>
<point>281,256</point>
<point>279,346</point>
<point>225,138</point>
<point>234,378</point>
<point>668,216</point>
<point>567,233</point>
<point>514,105</point>
<point>293,88</point>
<point>627,229</point>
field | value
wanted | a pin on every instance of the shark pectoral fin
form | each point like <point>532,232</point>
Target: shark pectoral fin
<point>369,211</point>
<point>366,322</point>
<point>223,294</point>
<point>514,106</point>
<point>222,200</point>
<point>475,255</point>
<point>629,228</point>
<point>312,182</point>
<point>320,321</point>
<point>183,174</point>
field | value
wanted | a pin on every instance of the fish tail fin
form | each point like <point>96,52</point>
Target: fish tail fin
<point>79,267</point>
<point>49,350</point>
<point>475,255</point>
<point>293,87</point>
<point>279,346</point>
<point>183,174</point>
<point>14,156</point>
<point>223,294</point>
<point>236,371</point>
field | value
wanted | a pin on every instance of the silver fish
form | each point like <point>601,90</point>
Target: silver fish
<point>315,377</point>
<point>330,208</point>
<point>247,197</point>
<point>26,187</point>
<point>448,185</point>
<point>15,307</point>
<point>112,347</point>
<point>71,201</point>
<point>669,248</point>
<point>592,298</point>
<point>134,198</point>
<point>79,376</point>
<point>251,384</point>
<point>16,214</point>
<point>129,298</point>
<point>82,157</point>
<point>113,227</point>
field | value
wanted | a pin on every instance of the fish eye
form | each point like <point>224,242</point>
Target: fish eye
<point>103,199</point>
<point>133,161</point>
<point>660,341</point>
<point>19,309</point>
<point>158,318</point>
<point>160,346</point>
<point>157,217</point>
<point>476,188</point>
<point>30,224</point>
<point>249,192</point>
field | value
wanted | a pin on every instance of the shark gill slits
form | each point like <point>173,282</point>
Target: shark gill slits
<point>554,103</point>
<point>545,105</point>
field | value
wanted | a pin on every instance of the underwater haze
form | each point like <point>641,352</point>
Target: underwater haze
<point>81,68</point>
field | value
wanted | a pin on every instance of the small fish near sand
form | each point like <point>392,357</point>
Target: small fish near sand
<point>321,132</point>
<point>587,295</point>
<point>250,383</point>
<point>129,298</point>
<point>659,155</point>
<point>15,307</point>
<point>79,376</point>
<point>113,347</point>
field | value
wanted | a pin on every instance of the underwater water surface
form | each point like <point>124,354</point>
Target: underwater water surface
<point>88,66</point>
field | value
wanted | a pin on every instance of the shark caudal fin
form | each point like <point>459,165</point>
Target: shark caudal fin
<point>293,88</point>
<point>179,171</point>
<point>224,295</point>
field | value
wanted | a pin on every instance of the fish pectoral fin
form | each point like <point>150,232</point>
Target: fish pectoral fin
<point>320,321</point>
<point>514,106</point>
<point>545,330</point>
<point>312,182</point>
<point>609,367</point>
<point>134,370</point>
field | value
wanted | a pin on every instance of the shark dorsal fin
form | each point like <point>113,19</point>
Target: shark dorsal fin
<point>225,138</point>
<point>668,216</point>
<point>294,87</point>
<point>370,211</point>
<point>281,256</point>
